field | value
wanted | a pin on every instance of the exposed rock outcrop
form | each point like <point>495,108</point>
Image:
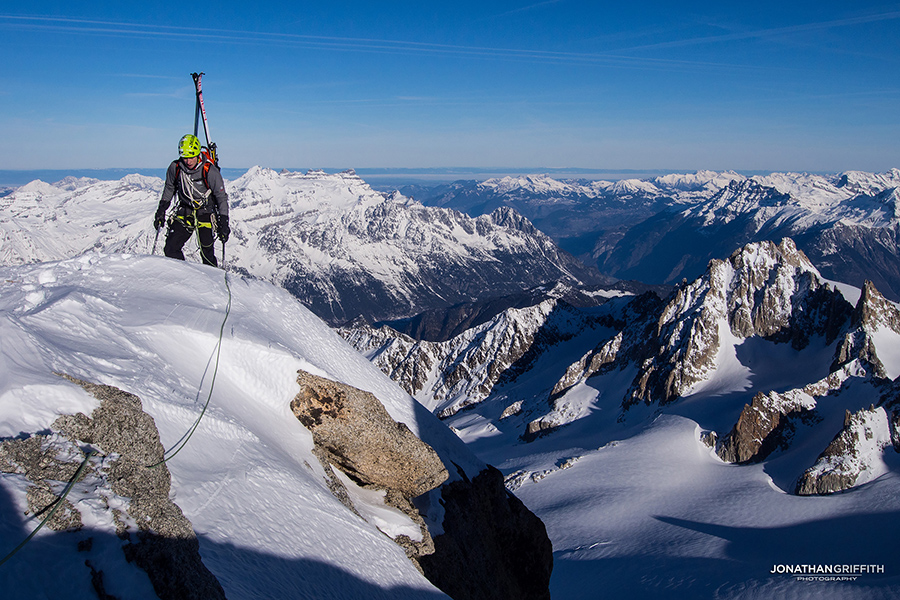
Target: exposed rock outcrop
<point>161,538</point>
<point>492,547</point>
<point>765,425</point>
<point>489,545</point>
<point>359,436</point>
<point>39,459</point>
<point>853,457</point>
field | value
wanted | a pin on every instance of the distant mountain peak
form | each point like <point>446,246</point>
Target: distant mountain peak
<point>764,290</point>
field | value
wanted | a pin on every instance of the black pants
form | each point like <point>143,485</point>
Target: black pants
<point>180,230</point>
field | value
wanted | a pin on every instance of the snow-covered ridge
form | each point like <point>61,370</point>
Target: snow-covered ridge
<point>547,186</point>
<point>536,184</point>
<point>40,221</point>
<point>701,180</point>
<point>149,325</point>
<point>251,479</point>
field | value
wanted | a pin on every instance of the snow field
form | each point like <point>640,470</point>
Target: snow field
<point>659,515</point>
<point>641,508</point>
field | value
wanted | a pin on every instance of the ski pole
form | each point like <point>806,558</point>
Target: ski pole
<point>156,239</point>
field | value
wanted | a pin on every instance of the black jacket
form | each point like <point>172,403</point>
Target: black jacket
<point>192,191</point>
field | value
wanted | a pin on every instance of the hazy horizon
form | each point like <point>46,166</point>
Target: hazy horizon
<point>375,176</point>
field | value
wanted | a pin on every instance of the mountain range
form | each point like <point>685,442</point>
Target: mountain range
<point>329,239</point>
<point>716,420</point>
<point>665,229</point>
<point>709,338</point>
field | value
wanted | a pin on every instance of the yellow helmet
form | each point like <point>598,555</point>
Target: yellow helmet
<point>189,146</point>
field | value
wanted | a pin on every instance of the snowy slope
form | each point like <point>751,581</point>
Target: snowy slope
<point>258,500</point>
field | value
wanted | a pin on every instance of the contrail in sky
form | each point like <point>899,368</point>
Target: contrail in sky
<point>773,32</point>
<point>111,28</point>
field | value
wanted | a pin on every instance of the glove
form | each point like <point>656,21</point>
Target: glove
<point>223,228</point>
<point>159,220</point>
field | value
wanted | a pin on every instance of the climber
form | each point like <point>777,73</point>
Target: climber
<point>203,202</point>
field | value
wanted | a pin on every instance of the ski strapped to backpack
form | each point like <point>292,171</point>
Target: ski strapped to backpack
<point>199,111</point>
<point>208,153</point>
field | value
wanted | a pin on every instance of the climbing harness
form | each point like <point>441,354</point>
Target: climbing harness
<point>55,506</point>
<point>192,223</point>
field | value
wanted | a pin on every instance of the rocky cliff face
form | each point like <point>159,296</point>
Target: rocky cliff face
<point>769,421</point>
<point>128,477</point>
<point>492,545</point>
<point>486,544</point>
<point>854,456</point>
<point>449,376</point>
<point>764,290</point>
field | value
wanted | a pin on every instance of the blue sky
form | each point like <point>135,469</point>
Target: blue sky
<point>784,86</point>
